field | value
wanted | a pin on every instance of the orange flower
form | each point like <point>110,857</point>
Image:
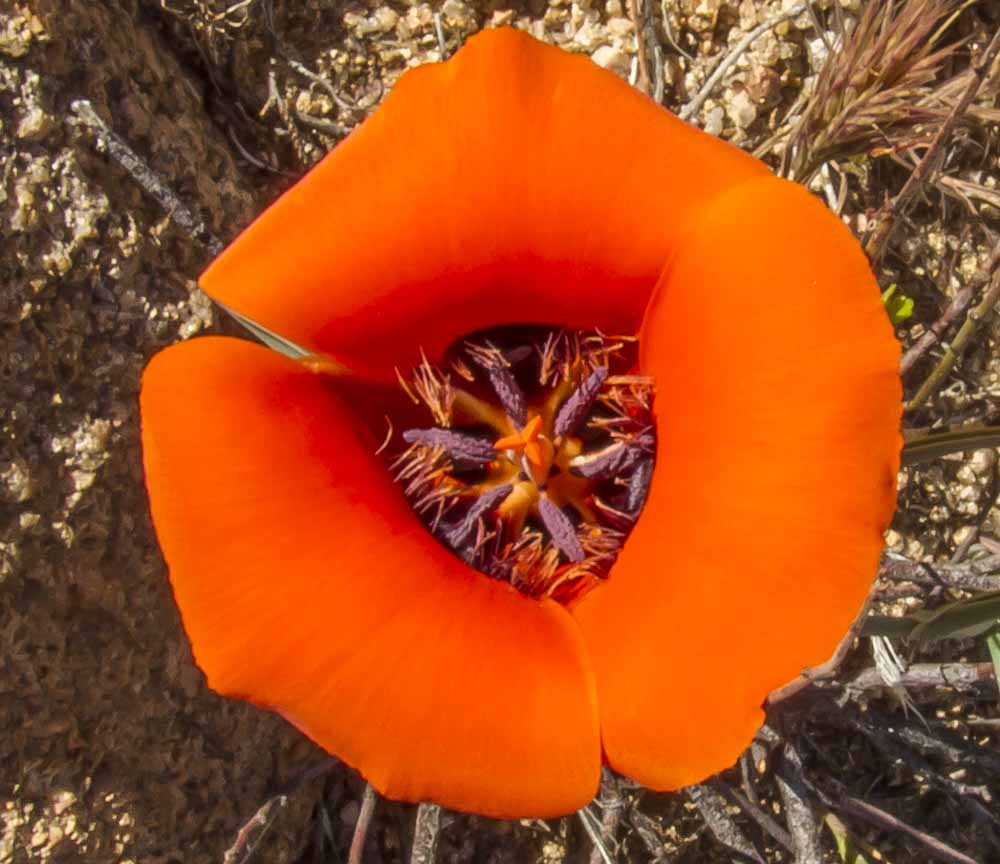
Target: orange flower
<point>516,183</point>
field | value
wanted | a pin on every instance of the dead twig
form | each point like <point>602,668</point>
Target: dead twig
<point>936,331</point>
<point>593,829</point>
<point>712,808</point>
<point>425,834</point>
<point>692,107</point>
<point>755,812</point>
<point>957,347</point>
<point>150,182</point>
<point>612,804</point>
<point>825,670</point>
<point>261,819</point>
<point>877,89</point>
<point>368,801</point>
<point>439,34</point>
<point>872,814</point>
<point>981,66</point>
<point>803,823</point>
<point>923,675</point>
<point>636,10</point>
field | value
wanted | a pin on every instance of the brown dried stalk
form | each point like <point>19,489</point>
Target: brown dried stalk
<point>877,89</point>
<point>981,67</point>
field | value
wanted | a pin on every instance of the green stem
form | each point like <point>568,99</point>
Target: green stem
<point>923,446</point>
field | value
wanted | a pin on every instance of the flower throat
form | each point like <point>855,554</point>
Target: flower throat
<point>538,455</point>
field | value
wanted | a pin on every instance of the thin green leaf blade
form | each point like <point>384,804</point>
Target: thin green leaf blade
<point>993,643</point>
<point>937,444</point>
<point>962,619</point>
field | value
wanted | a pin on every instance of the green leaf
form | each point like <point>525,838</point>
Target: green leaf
<point>848,851</point>
<point>272,340</point>
<point>923,446</point>
<point>962,619</point>
<point>993,643</point>
<point>883,625</point>
<point>899,306</point>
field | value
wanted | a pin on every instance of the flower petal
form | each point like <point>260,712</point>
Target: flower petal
<point>778,408</point>
<point>514,183</point>
<point>307,585</point>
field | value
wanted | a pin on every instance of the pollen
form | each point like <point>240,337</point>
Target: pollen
<point>537,457</point>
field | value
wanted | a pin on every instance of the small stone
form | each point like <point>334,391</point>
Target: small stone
<point>35,124</point>
<point>589,35</point>
<point>611,58</point>
<point>741,109</point>
<point>714,121</point>
<point>501,18</point>
<point>456,13</point>
<point>982,462</point>
<point>385,19</point>
<point>620,27</point>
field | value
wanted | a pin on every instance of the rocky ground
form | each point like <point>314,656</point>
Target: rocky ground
<point>112,748</point>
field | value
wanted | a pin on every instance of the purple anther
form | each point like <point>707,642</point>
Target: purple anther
<point>575,409</point>
<point>645,441</point>
<point>612,461</point>
<point>561,530</point>
<point>489,500</point>
<point>638,485</point>
<point>505,385</point>
<point>464,449</point>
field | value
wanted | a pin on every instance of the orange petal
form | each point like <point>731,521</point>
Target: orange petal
<point>513,183</point>
<point>307,585</point>
<point>777,410</point>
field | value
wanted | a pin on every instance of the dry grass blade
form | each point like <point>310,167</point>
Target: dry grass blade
<point>876,89</point>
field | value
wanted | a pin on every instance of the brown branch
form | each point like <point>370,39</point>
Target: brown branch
<point>870,813</point>
<point>958,345</point>
<point>955,308</point>
<point>636,9</point>
<point>368,801</point>
<point>981,67</point>
<point>261,819</point>
<point>824,670</point>
<point>924,675</point>
<point>980,575</point>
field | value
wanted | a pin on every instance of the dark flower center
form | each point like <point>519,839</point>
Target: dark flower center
<point>537,458</point>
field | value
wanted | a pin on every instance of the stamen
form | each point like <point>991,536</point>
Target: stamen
<point>541,487</point>
<point>612,461</point>
<point>578,405</point>
<point>638,486</point>
<point>560,529</point>
<point>486,502</point>
<point>502,381</point>
<point>464,449</point>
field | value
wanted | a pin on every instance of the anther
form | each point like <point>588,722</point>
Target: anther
<point>503,382</point>
<point>575,409</point>
<point>464,449</point>
<point>488,501</point>
<point>560,529</point>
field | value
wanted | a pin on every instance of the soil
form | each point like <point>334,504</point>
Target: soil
<point>111,747</point>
